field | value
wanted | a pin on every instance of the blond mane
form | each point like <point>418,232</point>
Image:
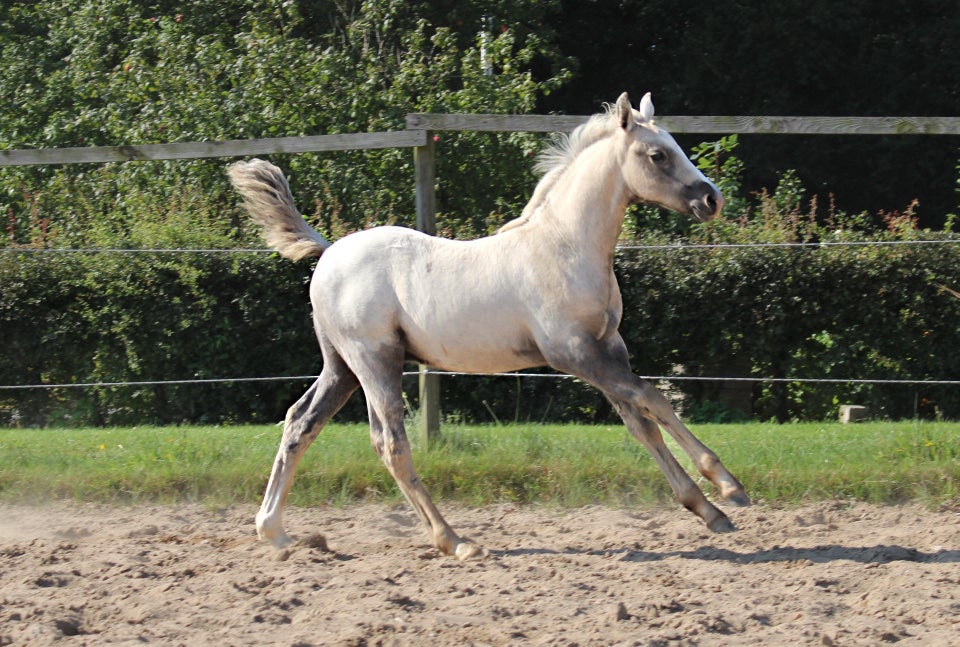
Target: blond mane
<point>554,159</point>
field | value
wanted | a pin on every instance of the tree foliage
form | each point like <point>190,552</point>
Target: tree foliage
<point>804,306</point>
<point>126,72</point>
<point>878,311</point>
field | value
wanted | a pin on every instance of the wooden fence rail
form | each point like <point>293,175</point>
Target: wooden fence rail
<point>701,124</point>
<point>417,136</point>
<point>199,150</point>
<point>418,123</point>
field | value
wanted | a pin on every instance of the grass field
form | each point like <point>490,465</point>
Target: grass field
<point>565,465</point>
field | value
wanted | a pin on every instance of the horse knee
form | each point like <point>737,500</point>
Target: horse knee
<point>391,445</point>
<point>650,395</point>
<point>297,436</point>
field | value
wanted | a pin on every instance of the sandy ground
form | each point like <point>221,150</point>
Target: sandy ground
<point>820,574</point>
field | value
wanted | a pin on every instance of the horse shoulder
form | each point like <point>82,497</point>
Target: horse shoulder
<point>594,300</point>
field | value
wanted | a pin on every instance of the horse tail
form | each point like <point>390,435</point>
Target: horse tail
<point>268,200</point>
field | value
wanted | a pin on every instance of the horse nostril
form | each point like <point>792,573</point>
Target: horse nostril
<point>705,208</point>
<point>714,202</point>
<point>707,202</point>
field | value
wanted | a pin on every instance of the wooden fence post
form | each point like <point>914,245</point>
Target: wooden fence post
<point>426,199</point>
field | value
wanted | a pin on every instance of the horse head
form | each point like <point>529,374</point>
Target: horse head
<point>655,168</point>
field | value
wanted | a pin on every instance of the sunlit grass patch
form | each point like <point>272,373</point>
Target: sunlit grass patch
<point>567,465</point>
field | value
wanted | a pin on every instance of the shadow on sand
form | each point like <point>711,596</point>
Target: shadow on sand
<point>880,554</point>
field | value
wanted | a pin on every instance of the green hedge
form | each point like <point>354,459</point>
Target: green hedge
<point>872,312</point>
<point>111,317</point>
<point>875,312</point>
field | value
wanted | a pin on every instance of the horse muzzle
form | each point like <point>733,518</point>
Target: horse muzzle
<point>708,202</point>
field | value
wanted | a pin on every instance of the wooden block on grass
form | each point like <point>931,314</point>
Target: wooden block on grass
<point>853,413</point>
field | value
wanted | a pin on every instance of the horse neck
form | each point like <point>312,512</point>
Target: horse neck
<point>586,206</point>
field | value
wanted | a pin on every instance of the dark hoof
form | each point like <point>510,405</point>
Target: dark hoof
<point>738,498</point>
<point>721,524</point>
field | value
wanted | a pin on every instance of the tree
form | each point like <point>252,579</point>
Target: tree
<point>122,71</point>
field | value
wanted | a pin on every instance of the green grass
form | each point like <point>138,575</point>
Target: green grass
<point>567,465</point>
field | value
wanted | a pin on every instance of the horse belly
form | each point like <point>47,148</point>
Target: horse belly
<point>477,345</point>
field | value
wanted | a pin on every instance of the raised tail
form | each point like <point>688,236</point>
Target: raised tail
<point>267,198</point>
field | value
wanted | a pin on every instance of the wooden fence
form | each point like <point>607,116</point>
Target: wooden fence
<point>418,136</point>
<point>419,124</point>
<point>702,125</point>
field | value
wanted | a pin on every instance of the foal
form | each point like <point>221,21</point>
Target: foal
<point>540,292</point>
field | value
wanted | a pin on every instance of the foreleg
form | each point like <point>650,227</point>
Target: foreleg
<point>605,365</point>
<point>686,491</point>
<point>704,459</point>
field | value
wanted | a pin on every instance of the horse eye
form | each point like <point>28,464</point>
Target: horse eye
<point>657,156</point>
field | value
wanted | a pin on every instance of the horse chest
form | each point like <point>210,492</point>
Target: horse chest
<point>593,301</point>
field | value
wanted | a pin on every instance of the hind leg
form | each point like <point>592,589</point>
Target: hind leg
<point>303,423</point>
<point>380,374</point>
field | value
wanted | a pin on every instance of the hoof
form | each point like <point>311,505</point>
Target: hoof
<point>738,498</point>
<point>277,538</point>
<point>469,550</point>
<point>270,530</point>
<point>283,540</point>
<point>721,524</point>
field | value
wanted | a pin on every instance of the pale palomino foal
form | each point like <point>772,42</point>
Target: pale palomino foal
<point>540,292</point>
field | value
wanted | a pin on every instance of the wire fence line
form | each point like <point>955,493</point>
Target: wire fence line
<point>832,243</point>
<point>142,250</point>
<point>670,247</point>
<point>559,376</point>
<point>660,246</point>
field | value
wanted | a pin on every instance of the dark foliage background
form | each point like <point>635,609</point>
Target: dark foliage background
<point>796,57</point>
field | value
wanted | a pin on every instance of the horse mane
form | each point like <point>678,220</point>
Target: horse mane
<point>565,148</point>
<point>561,152</point>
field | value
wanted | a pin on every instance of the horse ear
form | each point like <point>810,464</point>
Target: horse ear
<point>624,111</point>
<point>646,107</point>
